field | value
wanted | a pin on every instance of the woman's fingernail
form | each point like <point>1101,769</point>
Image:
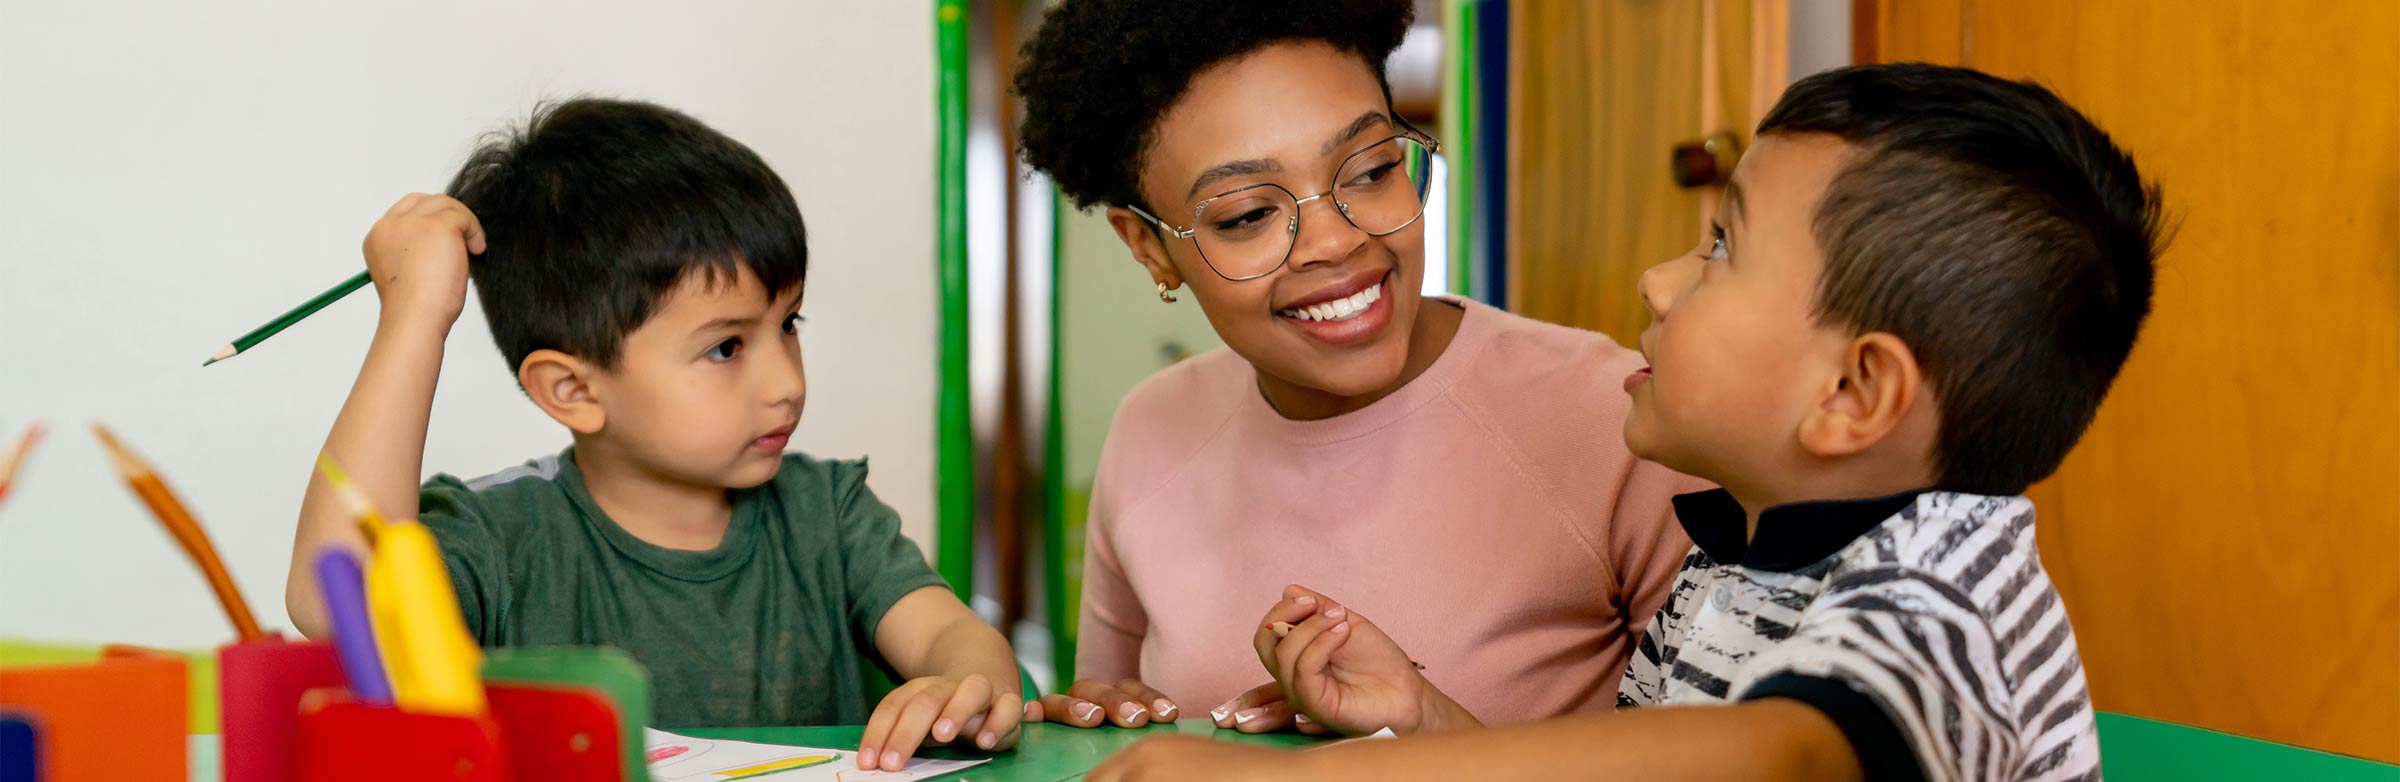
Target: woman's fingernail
<point>987,740</point>
<point>1244,718</point>
<point>1164,709</point>
<point>1342,628</point>
<point>945,728</point>
<point>1087,711</point>
<point>1300,718</point>
<point>891,760</point>
<point>1305,601</point>
<point>1220,713</point>
<point>1334,613</point>
<point>1130,711</point>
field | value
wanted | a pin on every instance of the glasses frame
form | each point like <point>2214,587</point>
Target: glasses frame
<point>1432,147</point>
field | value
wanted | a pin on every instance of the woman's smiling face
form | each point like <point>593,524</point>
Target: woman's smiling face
<point>1337,316</point>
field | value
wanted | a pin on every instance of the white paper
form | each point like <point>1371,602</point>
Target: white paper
<point>675,758</point>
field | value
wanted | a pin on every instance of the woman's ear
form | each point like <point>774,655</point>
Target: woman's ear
<point>562,386</point>
<point>1874,393</point>
<point>1143,238</point>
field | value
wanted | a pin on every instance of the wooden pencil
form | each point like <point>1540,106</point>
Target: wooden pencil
<point>179,523</point>
<point>284,321</point>
<point>370,520</point>
<point>15,459</point>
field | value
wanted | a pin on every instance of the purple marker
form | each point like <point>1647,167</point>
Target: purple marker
<point>344,588</point>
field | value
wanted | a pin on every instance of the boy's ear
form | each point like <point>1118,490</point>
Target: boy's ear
<point>1876,392</point>
<point>562,385</point>
<point>1143,239</point>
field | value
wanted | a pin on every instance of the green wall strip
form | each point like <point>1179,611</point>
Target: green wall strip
<point>1458,127</point>
<point>954,538</point>
<point>1063,606</point>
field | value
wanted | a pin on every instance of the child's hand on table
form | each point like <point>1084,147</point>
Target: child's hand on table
<point>1089,704</point>
<point>939,710</point>
<point>1342,671</point>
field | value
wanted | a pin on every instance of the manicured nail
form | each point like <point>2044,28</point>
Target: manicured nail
<point>1220,713</point>
<point>1164,709</point>
<point>1087,711</point>
<point>1132,712</point>
<point>987,740</point>
<point>1334,613</point>
<point>1244,718</point>
<point>891,760</point>
<point>1300,718</point>
<point>945,730</point>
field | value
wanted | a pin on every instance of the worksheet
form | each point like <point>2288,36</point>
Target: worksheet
<point>675,758</point>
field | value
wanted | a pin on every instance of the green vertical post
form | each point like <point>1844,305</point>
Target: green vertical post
<point>1054,466</point>
<point>954,538</point>
<point>1458,127</point>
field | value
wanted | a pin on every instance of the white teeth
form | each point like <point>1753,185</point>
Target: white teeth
<point>1338,309</point>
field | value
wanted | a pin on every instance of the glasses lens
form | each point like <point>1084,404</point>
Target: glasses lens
<point>1382,186</point>
<point>1246,233</point>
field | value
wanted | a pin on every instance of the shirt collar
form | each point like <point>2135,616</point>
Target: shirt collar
<point>1790,536</point>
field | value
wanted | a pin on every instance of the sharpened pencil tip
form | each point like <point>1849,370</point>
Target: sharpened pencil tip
<point>208,362</point>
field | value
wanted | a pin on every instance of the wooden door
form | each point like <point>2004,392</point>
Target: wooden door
<point>2227,537</point>
<point>1601,91</point>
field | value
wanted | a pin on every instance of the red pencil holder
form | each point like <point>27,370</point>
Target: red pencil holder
<point>342,740</point>
<point>260,684</point>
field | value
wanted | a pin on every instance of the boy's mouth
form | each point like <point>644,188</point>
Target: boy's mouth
<point>773,442</point>
<point>1638,377</point>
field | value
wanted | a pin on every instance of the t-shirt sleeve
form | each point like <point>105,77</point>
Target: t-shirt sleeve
<point>1112,622</point>
<point>1904,664</point>
<point>879,564</point>
<point>461,523</point>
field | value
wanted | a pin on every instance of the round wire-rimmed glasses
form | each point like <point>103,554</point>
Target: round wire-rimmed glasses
<point>1247,233</point>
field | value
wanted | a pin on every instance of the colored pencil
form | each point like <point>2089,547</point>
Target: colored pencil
<point>284,321</point>
<point>15,459</point>
<point>179,522</point>
<point>370,520</point>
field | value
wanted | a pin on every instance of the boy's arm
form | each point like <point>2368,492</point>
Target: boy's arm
<point>417,256</point>
<point>1770,739</point>
<point>961,680</point>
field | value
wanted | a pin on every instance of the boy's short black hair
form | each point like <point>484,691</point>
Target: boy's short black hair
<point>596,208</point>
<point>1100,73</point>
<point>1997,232</point>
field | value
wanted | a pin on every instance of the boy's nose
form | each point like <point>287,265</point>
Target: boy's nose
<point>1657,290</point>
<point>787,381</point>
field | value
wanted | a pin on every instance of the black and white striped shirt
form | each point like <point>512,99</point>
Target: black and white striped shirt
<point>1922,624</point>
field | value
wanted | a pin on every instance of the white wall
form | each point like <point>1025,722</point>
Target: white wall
<point>173,174</point>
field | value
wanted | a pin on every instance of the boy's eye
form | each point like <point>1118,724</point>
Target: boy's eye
<point>1716,249</point>
<point>791,325</point>
<point>724,351</point>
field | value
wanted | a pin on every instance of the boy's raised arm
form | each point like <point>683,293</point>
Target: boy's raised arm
<point>417,255</point>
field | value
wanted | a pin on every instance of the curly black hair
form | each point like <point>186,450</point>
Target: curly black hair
<point>1100,73</point>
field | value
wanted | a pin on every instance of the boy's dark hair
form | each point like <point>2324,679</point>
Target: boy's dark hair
<point>1997,232</point>
<point>1100,73</point>
<point>597,208</point>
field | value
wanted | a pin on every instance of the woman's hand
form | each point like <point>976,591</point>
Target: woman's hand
<point>1126,704</point>
<point>1342,671</point>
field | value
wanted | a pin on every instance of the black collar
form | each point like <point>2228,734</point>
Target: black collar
<point>1790,536</point>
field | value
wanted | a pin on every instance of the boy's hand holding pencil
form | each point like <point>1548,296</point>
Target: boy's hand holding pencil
<point>1343,672</point>
<point>417,255</point>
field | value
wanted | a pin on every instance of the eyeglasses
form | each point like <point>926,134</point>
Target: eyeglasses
<point>1247,233</point>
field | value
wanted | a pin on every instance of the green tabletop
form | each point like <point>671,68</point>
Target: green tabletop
<point>1044,753</point>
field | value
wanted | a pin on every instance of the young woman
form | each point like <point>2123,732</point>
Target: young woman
<point>1452,469</point>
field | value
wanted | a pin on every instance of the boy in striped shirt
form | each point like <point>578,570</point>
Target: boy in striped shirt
<point>1917,290</point>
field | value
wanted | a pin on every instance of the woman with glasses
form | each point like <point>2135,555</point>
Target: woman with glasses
<point>1451,469</point>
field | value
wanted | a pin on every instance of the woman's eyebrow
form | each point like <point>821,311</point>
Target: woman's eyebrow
<point>1223,171</point>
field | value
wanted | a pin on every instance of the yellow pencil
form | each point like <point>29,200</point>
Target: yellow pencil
<point>370,520</point>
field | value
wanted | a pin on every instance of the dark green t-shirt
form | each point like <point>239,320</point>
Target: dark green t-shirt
<point>769,628</point>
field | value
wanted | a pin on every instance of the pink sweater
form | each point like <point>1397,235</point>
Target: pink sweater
<point>1486,515</point>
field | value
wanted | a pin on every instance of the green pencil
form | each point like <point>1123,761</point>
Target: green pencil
<point>284,321</point>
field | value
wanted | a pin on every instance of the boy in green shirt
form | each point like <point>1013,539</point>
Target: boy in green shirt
<point>642,275</point>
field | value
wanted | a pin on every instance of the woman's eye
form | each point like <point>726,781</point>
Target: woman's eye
<point>724,351</point>
<point>1251,217</point>
<point>1373,175</point>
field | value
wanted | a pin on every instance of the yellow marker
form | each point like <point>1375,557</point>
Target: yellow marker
<point>433,663</point>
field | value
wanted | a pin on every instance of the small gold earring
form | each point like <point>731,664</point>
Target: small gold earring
<point>1163,295</point>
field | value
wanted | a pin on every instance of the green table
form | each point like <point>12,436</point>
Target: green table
<point>1045,753</point>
